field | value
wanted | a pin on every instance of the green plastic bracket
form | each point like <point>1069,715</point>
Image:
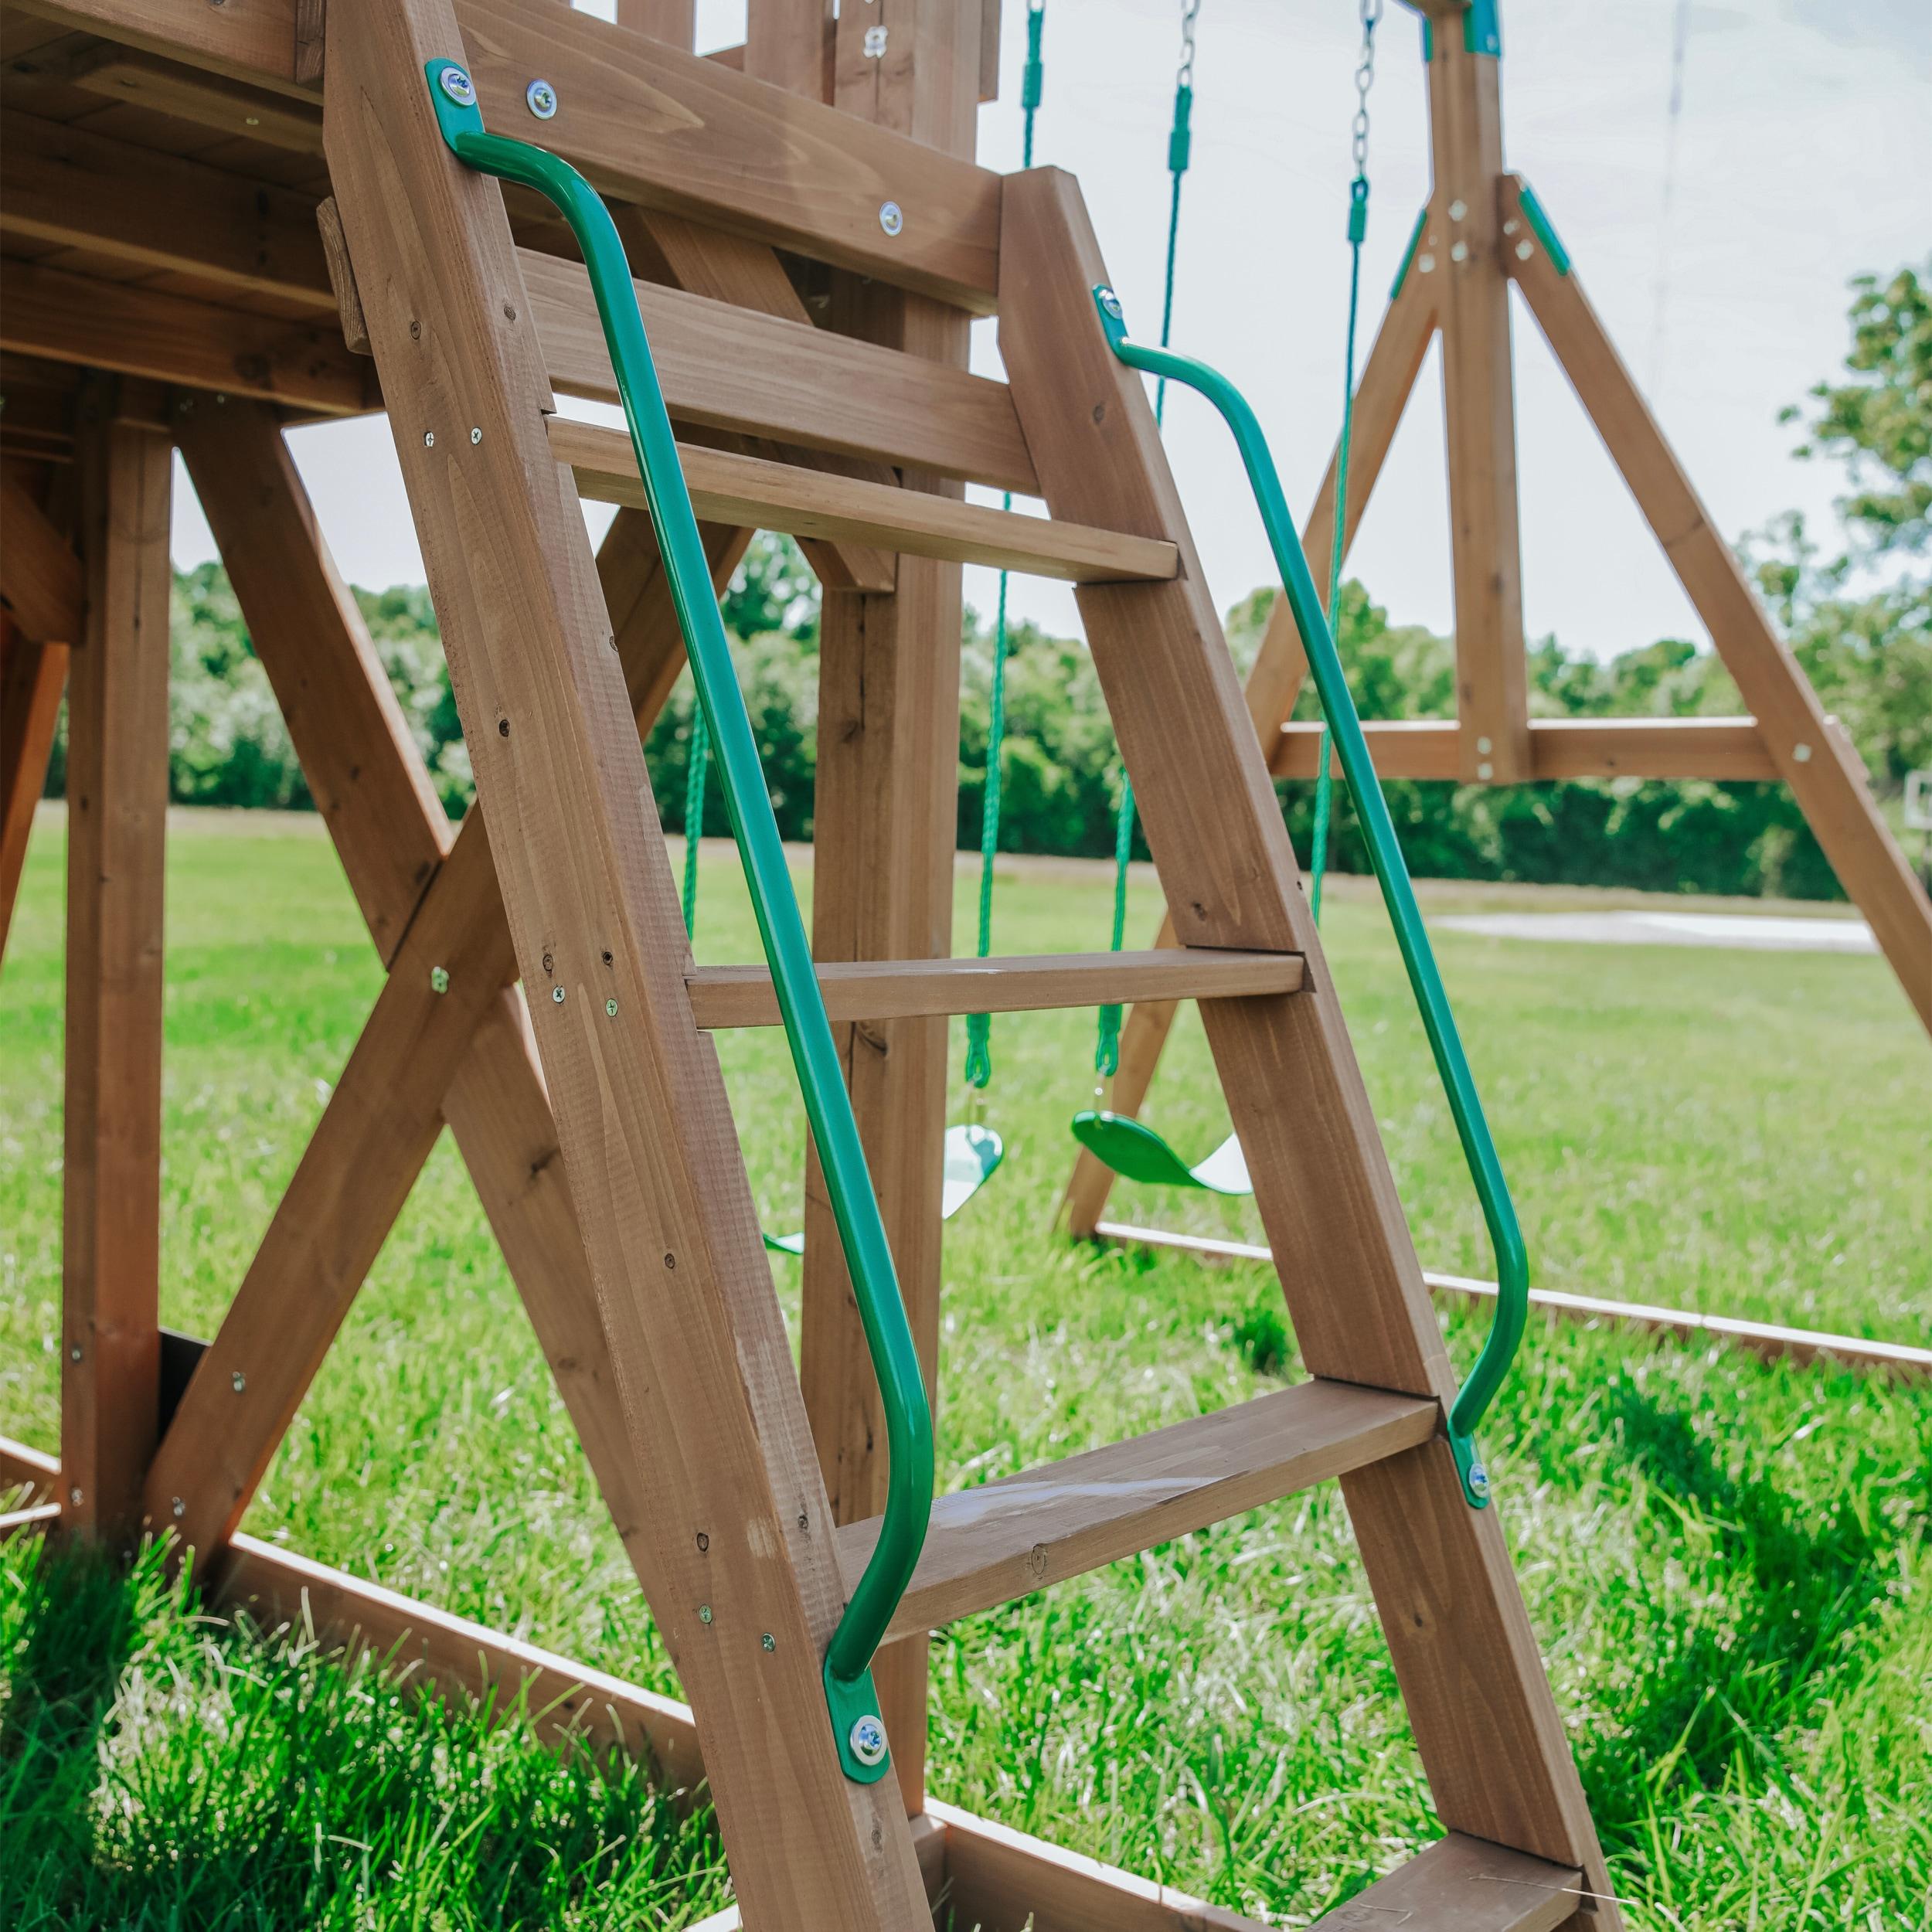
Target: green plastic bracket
<point>1385,852</point>
<point>849,1696</point>
<point>1544,230</point>
<point>1409,253</point>
<point>1481,29</point>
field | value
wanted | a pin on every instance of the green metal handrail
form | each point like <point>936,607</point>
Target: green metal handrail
<point>849,1693</point>
<point>1385,852</point>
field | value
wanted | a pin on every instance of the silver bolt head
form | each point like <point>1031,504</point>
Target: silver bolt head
<point>73,1353</point>
<point>1485,746</point>
<point>868,1741</point>
<point>438,979</point>
<point>610,1007</point>
<point>1459,252</point>
<point>180,1508</point>
<point>556,995</point>
<point>476,435</point>
<point>892,217</point>
<point>1111,303</point>
<point>429,439</point>
<point>1479,1479</point>
<point>1486,771</point>
<point>1524,251</point>
<point>768,1641</point>
<point>1458,210</point>
<point>540,97</point>
<point>238,1380</point>
<point>704,1613</point>
<point>458,86</point>
<point>74,1496</point>
<point>1802,754</point>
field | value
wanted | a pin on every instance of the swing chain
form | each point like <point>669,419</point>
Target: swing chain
<point>1365,75</point>
<point>1190,13</point>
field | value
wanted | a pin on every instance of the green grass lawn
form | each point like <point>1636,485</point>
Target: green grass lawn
<point>1726,1562</point>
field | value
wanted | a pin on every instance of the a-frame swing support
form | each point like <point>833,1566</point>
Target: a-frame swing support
<point>539,994</point>
<point>1483,231</point>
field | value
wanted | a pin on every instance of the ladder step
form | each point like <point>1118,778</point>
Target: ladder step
<point>1006,1539</point>
<point>727,996</point>
<point>1464,1885</point>
<point>728,487</point>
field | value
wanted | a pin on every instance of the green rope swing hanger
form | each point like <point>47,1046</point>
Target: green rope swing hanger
<point>1129,1147</point>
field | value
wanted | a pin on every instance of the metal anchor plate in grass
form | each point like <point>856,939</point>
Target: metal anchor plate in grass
<point>972,1153</point>
<point>1137,1153</point>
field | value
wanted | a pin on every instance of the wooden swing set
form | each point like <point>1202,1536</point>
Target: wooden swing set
<point>221,219</point>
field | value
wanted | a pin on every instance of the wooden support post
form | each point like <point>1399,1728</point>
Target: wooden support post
<point>737,1517</point>
<point>1487,1728</point>
<point>117,818</point>
<point>1812,754</point>
<point>1274,683</point>
<point>1465,118</point>
<point>885,827</point>
<point>789,43</point>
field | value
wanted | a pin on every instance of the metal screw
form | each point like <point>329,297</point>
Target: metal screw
<point>1802,754</point>
<point>704,1613</point>
<point>892,217</point>
<point>251,121</point>
<point>875,43</point>
<point>556,995</point>
<point>1458,210</point>
<point>438,979</point>
<point>1426,263</point>
<point>868,1741</point>
<point>1510,227</point>
<point>769,1642</point>
<point>610,1007</point>
<point>1111,303</point>
<point>458,86</point>
<point>240,1381</point>
<point>429,439</point>
<point>540,97</point>
<point>1524,251</point>
<point>181,1509</point>
<point>73,1353</point>
<point>1485,746</point>
<point>1478,1480</point>
<point>1459,252</point>
<point>74,1496</point>
<point>476,435</point>
<point>1485,770</point>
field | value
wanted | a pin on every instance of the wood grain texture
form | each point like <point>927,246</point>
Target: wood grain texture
<point>673,20</point>
<point>1479,413</point>
<point>42,584</point>
<point>789,43</point>
<point>116,816</point>
<point>733,369</point>
<point>728,487</point>
<point>1814,757</point>
<point>1490,1738</point>
<point>227,106</point>
<point>1003,1540</point>
<point>872,989</point>
<point>737,1516</point>
<point>33,679</point>
<point>1732,750</point>
<point>67,317</point>
<point>342,275</point>
<point>253,40</point>
<point>1462,1884</point>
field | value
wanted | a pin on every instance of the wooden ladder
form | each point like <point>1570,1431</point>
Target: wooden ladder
<point>670,1346</point>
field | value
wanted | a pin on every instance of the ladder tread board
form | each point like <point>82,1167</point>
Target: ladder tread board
<point>735,368</point>
<point>878,989</point>
<point>727,487</point>
<point>1464,1884</point>
<point>1002,1540</point>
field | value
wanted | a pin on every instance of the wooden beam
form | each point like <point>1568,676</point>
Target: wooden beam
<point>728,487</point>
<point>19,1522</point>
<point>789,42</point>
<point>1489,1735</point>
<point>1729,750</point>
<point>66,318</point>
<point>673,20</point>
<point>732,369</point>
<point>117,813</point>
<point>878,989</point>
<point>1462,1884</point>
<point>1463,240</point>
<point>33,679</point>
<point>1003,1540</point>
<point>81,189</point>
<point>1827,777</point>
<point>251,39</point>
<point>41,581</point>
<point>736,1515</point>
<point>164,87</point>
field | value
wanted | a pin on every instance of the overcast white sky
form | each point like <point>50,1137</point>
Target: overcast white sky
<point>1804,156</point>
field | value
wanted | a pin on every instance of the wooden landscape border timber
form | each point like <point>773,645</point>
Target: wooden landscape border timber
<point>1809,1346</point>
<point>1491,1743</point>
<point>651,123</point>
<point>1732,750</point>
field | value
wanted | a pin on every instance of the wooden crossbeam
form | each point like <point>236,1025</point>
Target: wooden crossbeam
<point>81,189</point>
<point>33,679</point>
<point>66,318</point>
<point>42,584</point>
<point>1462,1884</point>
<point>728,487</point>
<point>733,368</point>
<point>1730,749</point>
<point>165,87</point>
<point>1002,1540</point>
<point>875,989</point>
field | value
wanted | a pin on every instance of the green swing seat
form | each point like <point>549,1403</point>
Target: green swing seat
<point>1135,1152</point>
<point>972,1153</point>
